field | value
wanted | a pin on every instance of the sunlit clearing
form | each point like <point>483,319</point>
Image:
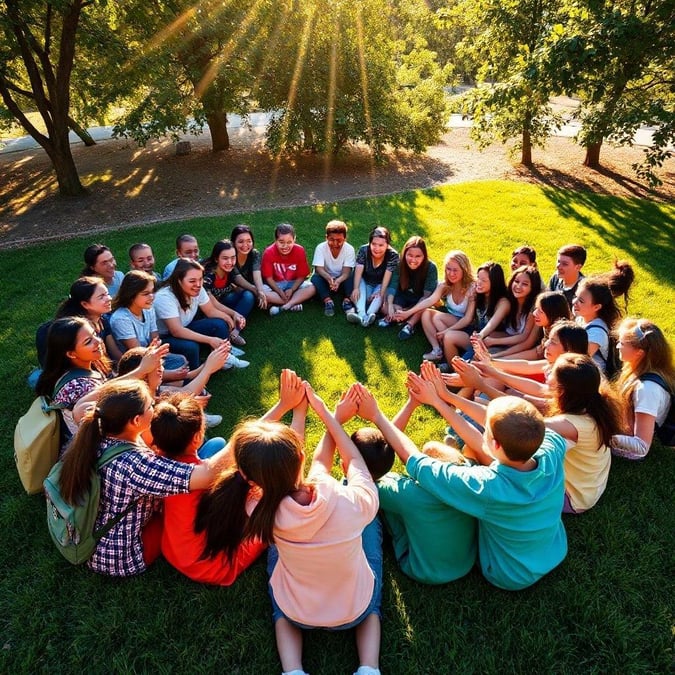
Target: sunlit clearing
<point>330,117</point>
<point>318,355</point>
<point>364,76</point>
<point>269,385</point>
<point>224,56</point>
<point>135,192</point>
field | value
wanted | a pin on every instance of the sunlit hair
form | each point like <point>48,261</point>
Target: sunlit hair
<point>91,254</point>
<point>180,271</point>
<point>516,425</point>
<point>211,262</point>
<point>119,402</point>
<point>528,251</point>
<point>555,306</point>
<point>573,337</point>
<point>657,354</point>
<point>575,252</point>
<point>578,388</point>
<point>268,454</point>
<point>604,288</point>
<point>134,282</point>
<point>535,288</point>
<point>238,230</point>
<point>82,290</point>
<point>413,279</point>
<point>284,228</point>
<point>487,302</point>
<point>336,227</point>
<point>177,418</point>
<point>381,233</point>
<point>376,452</point>
<point>462,259</point>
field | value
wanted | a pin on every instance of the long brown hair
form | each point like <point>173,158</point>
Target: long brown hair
<point>183,266</point>
<point>414,278</point>
<point>268,454</point>
<point>119,402</point>
<point>579,389</point>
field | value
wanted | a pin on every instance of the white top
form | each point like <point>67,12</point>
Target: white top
<point>166,307</point>
<point>324,258</point>
<point>126,326</point>
<point>651,399</point>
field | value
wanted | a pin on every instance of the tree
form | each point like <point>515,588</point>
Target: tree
<point>512,99</point>
<point>618,57</point>
<point>349,71</point>
<point>36,65</point>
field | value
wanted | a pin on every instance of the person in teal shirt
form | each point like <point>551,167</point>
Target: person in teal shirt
<point>516,491</point>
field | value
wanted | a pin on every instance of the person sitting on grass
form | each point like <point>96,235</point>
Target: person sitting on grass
<point>99,261</point>
<point>570,260</point>
<point>516,491</point>
<point>415,279</point>
<point>522,257</point>
<point>138,477</point>
<point>334,261</point>
<point>284,270</point>
<point>248,263</point>
<point>186,247</point>
<point>142,258</point>
<point>646,385</point>
<point>376,261</point>
<point>434,543</point>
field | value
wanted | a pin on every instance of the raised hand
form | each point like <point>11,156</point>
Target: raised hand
<point>368,408</point>
<point>470,374</point>
<point>216,359</point>
<point>422,390</point>
<point>291,389</point>
<point>481,352</point>
<point>348,406</point>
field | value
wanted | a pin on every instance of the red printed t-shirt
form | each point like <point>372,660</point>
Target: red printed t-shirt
<point>284,267</point>
<point>183,547</point>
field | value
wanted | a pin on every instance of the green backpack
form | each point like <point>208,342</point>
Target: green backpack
<point>71,527</point>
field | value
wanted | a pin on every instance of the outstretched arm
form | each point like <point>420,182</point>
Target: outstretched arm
<point>291,394</point>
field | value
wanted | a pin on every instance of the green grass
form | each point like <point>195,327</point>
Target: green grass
<point>607,608</point>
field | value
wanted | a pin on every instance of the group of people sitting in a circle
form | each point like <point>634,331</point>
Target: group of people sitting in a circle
<point>524,375</point>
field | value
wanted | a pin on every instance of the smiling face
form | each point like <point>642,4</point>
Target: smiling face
<point>191,283</point>
<point>583,305</point>
<point>540,318</point>
<point>335,243</point>
<point>520,260</point>
<point>567,270</point>
<point>99,303</point>
<point>143,259</point>
<point>521,286</point>
<point>145,298</point>
<point>628,351</point>
<point>483,284</point>
<point>244,243</point>
<point>414,257</point>
<point>378,247</point>
<point>553,348</point>
<point>189,249</point>
<point>88,347</point>
<point>226,260</point>
<point>453,272</point>
<point>284,243</point>
<point>105,265</point>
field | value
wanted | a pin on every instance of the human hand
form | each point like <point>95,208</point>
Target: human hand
<point>401,315</point>
<point>440,334</point>
<point>422,390</point>
<point>348,406</point>
<point>333,284</point>
<point>315,401</point>
<point>469,373</point>
<point>481,352</point>
<point>216,359</point>
<point>452,380</point>
<point>152,359</point>
<point>355,295</point>
<point>430,373</point>
<point>368,408</point>
<point>214,342</point>
<point>291,389</point>
<point>262,300</point>
<point>239,321</point>
<point>203,399</point>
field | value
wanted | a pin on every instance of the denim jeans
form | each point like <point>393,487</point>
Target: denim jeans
<point>366,293</point>
<point>240,301</point>
<point>189,348</point>
<point>323,289</point>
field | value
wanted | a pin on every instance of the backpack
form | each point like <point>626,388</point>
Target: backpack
<point>38,436</point>
<point>666,432</point>
<point>612,363</point>
<point>71,527</point>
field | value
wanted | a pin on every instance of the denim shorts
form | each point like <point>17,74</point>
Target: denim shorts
<point>285,285</point>
<point>372,547</point>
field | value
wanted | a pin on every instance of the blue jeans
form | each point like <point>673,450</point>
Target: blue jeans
<point>371,540</point>
<point>323,289</point>
<point>366,293</point>
<point>189,348</point>
<point>240,301</point>
<point>211,447</point>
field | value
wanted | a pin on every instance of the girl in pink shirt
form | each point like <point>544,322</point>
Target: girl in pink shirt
<point>325,563</point>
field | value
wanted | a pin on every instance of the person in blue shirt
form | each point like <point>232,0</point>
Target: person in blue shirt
<point>516,491</point>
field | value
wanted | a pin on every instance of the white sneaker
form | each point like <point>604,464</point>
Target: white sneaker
<point>234,362</point>
<point>353,317</point>
<point>213,420</point>
<point>235,351</point>
<point>368,320</point>
<point>274,310</point>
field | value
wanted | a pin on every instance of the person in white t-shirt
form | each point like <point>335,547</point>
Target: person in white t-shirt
<point>334,261</point>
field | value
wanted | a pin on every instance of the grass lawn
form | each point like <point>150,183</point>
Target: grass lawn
<point>607,608</point>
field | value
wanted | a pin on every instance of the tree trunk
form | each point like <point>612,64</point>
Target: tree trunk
<point>308,138</point>
<point>58,149</point>
<point>592,159</point>
<point>83,134</point>
<point>526,153</point>
<point>218,125</point>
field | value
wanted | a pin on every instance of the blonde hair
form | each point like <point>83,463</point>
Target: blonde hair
<point>462,259</point>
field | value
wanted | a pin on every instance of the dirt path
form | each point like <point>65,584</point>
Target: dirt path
<point>130,186</point>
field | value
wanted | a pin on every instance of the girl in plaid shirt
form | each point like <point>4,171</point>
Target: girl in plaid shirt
<point>122,414</point>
